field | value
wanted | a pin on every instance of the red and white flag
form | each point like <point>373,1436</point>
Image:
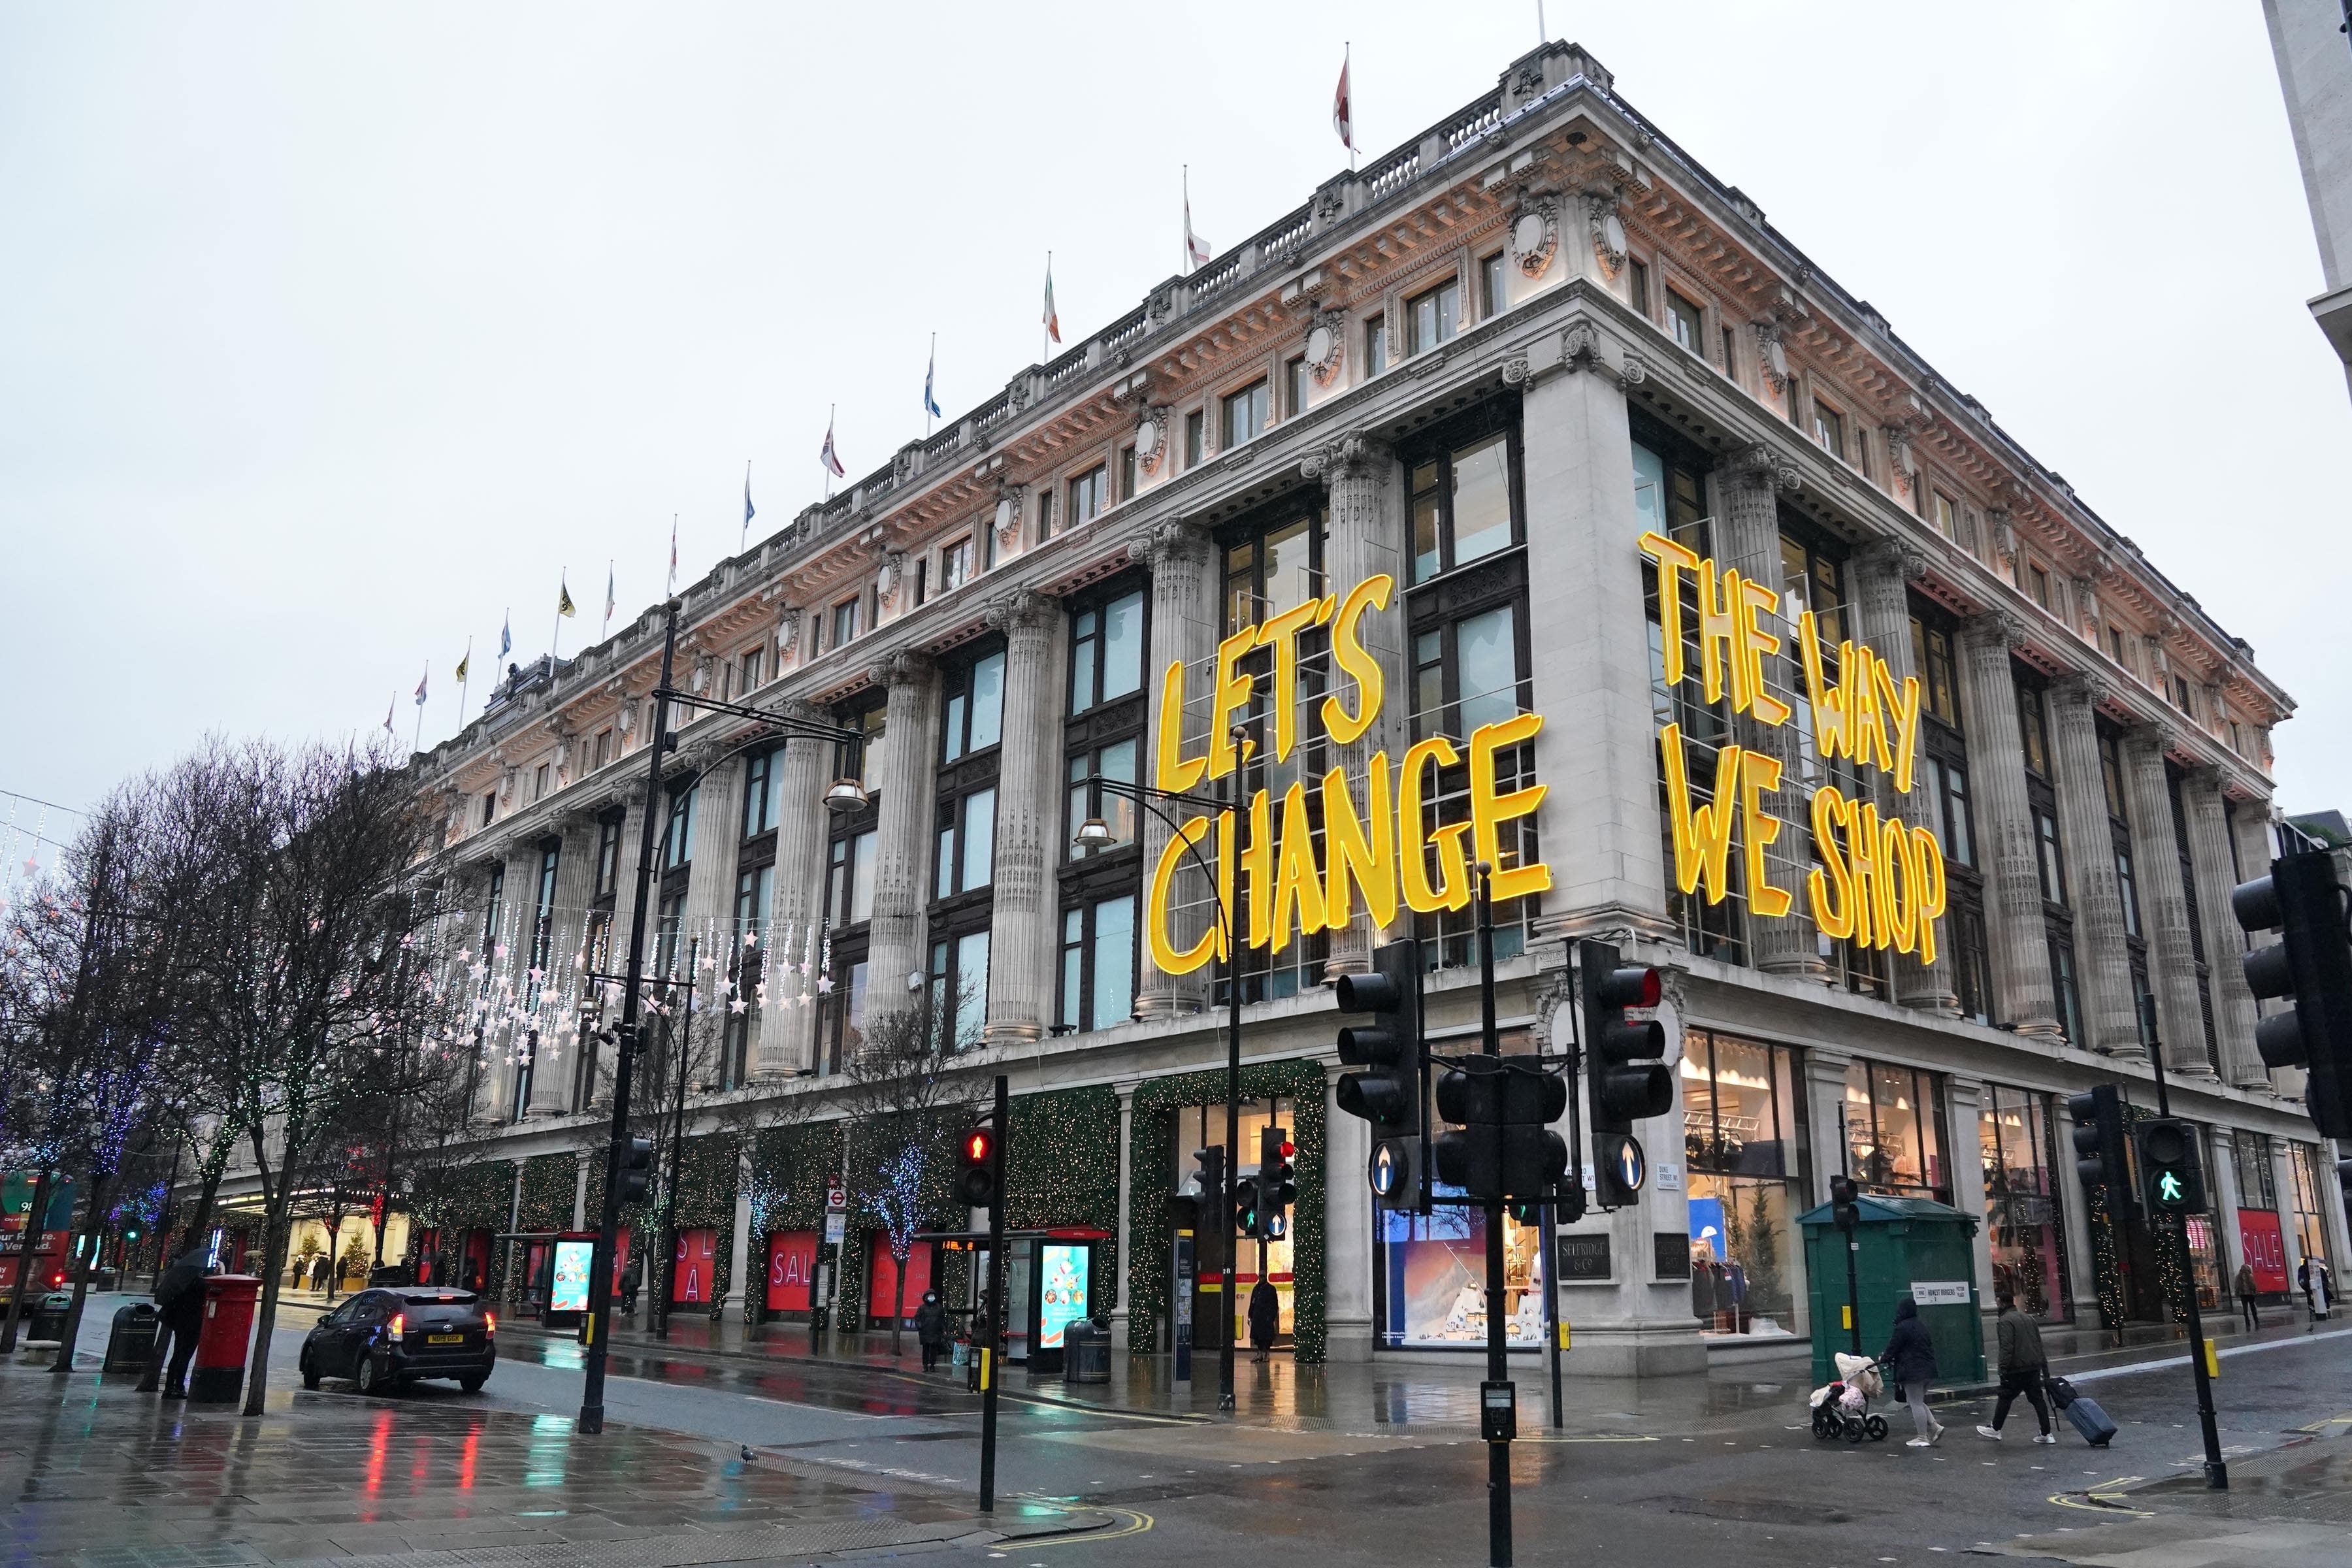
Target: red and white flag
<point>1196,249</point>
<point>1053,321</point>
<point>826,455</point>
<point>1343,119</point>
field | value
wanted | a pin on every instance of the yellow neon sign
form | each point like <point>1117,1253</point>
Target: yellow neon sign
<point>1881,882</point>
<point>1377,860</point>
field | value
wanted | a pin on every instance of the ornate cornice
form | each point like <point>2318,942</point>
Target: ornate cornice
<point>1350,455</point>
<point>1170,540</point>
<point>1994,627</point>
<point>1023,609</point>
<point>903,668</point>
<point>2084,686</point>
<point>1759,465</point>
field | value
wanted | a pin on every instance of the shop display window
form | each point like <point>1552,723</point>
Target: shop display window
<point>2016,1135</point>
<point>1434,1279</point>
<point>1197,1127</point>
<point>1894,1130</point>
<point>1743,1141</point>
<point>2310,1222</point>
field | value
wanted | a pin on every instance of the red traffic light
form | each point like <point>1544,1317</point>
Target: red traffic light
<point>1632,986</point>
<point>1288,1148</point>
<point>978,1144</point>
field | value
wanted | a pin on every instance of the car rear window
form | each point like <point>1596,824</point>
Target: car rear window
<point>438,1298</point>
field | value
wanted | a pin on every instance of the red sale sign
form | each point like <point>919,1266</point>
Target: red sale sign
<point>2263,1245</point>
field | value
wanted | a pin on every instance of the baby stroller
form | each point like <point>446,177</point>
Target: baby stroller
<point>1842,1409</point>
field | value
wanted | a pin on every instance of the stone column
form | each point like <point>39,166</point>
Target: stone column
<point>1030,836</point>
<point>2102,961</point>
<point>1363,541</point>
<point>717,846</point>
<point>1883,604</point>
<point>1347,1218</point>
<point>902,853</point>
<point>1590,641</point>
<point>1127,1260</point>
<point>739,1245</point>
<point>1824,1104</point>
<point>580,1190</point>
<point>1965,1136</point>
<point>2233,1000</point>
<point>2081,1269</point>
<point>2221,1176</point>
<point>519,907</point>
<point>2283,1183</point>
<point>788,1021</point>
<point>2164,903</point>
<point>1184,628</point>
<point>1748,541</point>
<point>2024,998</point>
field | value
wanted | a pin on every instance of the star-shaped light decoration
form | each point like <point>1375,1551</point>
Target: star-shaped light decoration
<point>737,1005</point>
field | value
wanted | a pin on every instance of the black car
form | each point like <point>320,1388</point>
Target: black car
<point>383,1337</point>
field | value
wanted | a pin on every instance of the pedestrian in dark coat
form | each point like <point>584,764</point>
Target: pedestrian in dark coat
<point>931,1329</point>
<point>2025,1367</point>
<point>1910,1359</point>
<point>2247,1290</point>
<point>1265,1317</point>
<point>180,1296</point>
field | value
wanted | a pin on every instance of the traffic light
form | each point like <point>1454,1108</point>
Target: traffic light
<point>2168,1167</point>
<point>1248,1216</point>
<point>636,1171</point>
<point>1845,1209</point>
<point>1277,1187</point>
<point>2313,964</point>
<point>2098,1116</point>
<point>1626,1079</point>
<point>1391,1090</point>
<point>1505,1147</point>
<point>975,1185</point>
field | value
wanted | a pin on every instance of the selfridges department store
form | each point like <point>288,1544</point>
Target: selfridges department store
<point>1529,458</point>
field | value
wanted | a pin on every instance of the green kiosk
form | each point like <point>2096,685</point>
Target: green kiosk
<point>1903,1246</point>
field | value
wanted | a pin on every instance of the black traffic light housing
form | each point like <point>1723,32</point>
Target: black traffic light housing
<point>1504,1147</point>
<point>1625,1076</point>
<point>2171,1176</point>
<point>1277,1186</point>
<point>2304,901</point>
<point>1249,1216</point>
<point>636,1171</point>
<point>2098,1116</point>
<point>1845,1207</point>
<point>1392,1089</point>
<point>975,1183</point>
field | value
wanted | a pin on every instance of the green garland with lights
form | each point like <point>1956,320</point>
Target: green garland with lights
<point>468,1197</point>
<point>792,1167</point>
<point>548,1185</point>
<point>1152,1157</point>
<point>1064,1169</point>
<point>935,1203</point>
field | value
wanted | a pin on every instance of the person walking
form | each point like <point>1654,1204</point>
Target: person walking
<point>1265,1318</point>
<point>180,1295</point>
<point>931,1329</point>
<point>631,1277</point>
<point>2247,1290</point>
<point>2318,1289</point>
<point>1910,1357</point>
<point>2025,1367</point>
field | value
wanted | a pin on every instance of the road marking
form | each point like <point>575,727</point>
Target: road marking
<point>1137,1523</point>
<point>2095,1373</point>
<point>2102,1497</point>
<point>1599,1438</point>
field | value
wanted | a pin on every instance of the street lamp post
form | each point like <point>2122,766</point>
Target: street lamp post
<point>1095,834</point>
<point>842,793</point>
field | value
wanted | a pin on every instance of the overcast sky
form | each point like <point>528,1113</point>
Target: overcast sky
<point>329,332</point>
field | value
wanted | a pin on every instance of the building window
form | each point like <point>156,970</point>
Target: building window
<point>1045,511</point>
<point>1731,354</point>
<point>1931,655</point>
<point>1947,809</point>
<point>975,720</point>
<point>1089,494</point>
<point>539,783</point>
<point>2180,698</point>
<point>2038,585</point>
<point>2047,857</point>
<point>1117,762</point>
<point>2310,1216</point>
<point>2022,1192</point>
<point>1685,320</point>
<point>1946,513</point>
<point>1098,963</point>
<point>1464,503</point>
<point>959,976</point>
<point>1894,1129</point>
<point>753,659</point>
<point>955,565</point>
<point>1376,346</point>
<point>1742,1141</point>
<point>678,834</point>
<point>604,746</point>
<point>1637,285</point>
<point>2034,730</point>
<point>844,624</point>
<point>762,776</point>
<point>967,844</point>
<point>2127,885</point>
<point>2068,994</point>
<point>1829,429</point>
<point>1107,652</point>
<point>1972,963</point>
<point>1492,297</point>
<point>2250,1152</point>
<point>849,890</point>
<point>608,857</point>
<point>841,1022</point>
<point>489,806</point>
<point>754,890</point>
<point>1294,386</point>
<point>1195,436</point>
<point>1126,473</point>
<point>2117,649</point>
<point>1244,417</point>
<point>1273,568</point>
<point>1433,318</point>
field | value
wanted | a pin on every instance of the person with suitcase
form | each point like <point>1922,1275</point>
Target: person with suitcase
<point>1910,1355</point>
<point>2023,1366</point>
<point>2083,1414</point>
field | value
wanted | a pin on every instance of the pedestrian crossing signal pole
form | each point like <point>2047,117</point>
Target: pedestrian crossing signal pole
<point>1497,1399</point>
<point>2175,1185</point>
<point>992,1336</point>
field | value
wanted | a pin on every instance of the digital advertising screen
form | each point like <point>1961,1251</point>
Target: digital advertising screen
<point>1063,1301</point>
<point>568,1292</point>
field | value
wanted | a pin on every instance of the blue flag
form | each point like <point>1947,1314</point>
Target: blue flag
<point>931,404</point>
<point>748,513</point>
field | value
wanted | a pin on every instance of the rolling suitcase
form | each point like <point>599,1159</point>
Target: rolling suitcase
<point>2091,1421</point>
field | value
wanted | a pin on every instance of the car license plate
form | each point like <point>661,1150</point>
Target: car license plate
<point>445,1339</point>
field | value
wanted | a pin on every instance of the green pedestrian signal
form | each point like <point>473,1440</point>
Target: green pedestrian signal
<point>2168,1188</point>
<point>2169,1172</point>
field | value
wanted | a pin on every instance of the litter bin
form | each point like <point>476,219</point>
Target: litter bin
<point>1086,1352</point>
<point>132,1345</point>
<point>219,1375</point>
<point>49,1318</point>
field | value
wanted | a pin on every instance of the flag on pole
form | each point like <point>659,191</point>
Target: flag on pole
<point>1343,119</point>
<point>563,605</point>
<point>1053,321</point>
<point>506,635</point>
<point>931,402</point>
<point>387,714</point>
<point>826,455</point>
<point>420,685</point>
<point>1196,249</point>
<point>464,663</point>
<point>749,510</point>
<point>610,602</point>
<point>673,556</point>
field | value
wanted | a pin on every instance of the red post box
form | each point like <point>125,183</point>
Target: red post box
<point>219,1375</point>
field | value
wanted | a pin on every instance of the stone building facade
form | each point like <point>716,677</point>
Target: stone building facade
<point>1485,365</point>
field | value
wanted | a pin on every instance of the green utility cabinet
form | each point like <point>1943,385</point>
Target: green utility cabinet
<point>1905,1246</point>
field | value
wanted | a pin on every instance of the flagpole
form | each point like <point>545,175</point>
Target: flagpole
<point>1186,241</point>
<point>1045,351</point>
<point>610,562</point>
<point>563,592</point>
<point>465,682</point>
<point>930,366</point>
<point>1347,60</point>
<point>418,743</point>
<point>743,538</point>
<point>830,409</point>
